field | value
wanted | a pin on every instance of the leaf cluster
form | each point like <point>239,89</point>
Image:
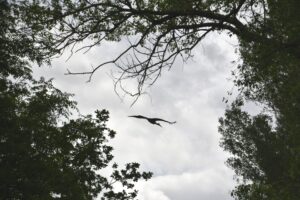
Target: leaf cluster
<point>46,151</point>
<point>157,32</point>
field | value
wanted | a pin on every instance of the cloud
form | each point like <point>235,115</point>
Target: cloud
<point>185,157</point>
<point>210,184</point>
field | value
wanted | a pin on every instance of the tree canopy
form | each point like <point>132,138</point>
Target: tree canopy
<point>265,157</point>
<point>266,147</point>
<point>157,32</point>
<point>45,156</point>
<point>46,151</point>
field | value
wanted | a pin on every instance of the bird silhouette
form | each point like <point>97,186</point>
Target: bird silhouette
<point>152,120</point>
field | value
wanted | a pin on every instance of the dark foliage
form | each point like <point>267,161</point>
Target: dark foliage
<point>45,151</point>
<point>266,153</point>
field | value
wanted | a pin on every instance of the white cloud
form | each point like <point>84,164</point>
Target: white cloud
<point>186,158</point>
<point>150,194</point>
<point>210,184</point>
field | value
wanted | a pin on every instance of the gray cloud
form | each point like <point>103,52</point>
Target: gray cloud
<point>186,158</point>
<point>209,184</point>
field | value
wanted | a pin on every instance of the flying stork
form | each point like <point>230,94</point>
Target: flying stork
<point>152,120</point>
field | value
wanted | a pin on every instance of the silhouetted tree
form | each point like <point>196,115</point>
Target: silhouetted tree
<point>266,152</point>
<point>265,158</point>
<point>160,31</point>
<point>157,31</point>
<point>45,151</point>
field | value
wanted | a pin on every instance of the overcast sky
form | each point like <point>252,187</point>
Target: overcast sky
<point>186,159</point>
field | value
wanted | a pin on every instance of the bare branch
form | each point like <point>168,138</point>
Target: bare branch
<point>164,32</point>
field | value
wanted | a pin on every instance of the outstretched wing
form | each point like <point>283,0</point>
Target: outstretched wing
<point>138,116</point>
<point>152,120</point>
<point>158,119</point>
